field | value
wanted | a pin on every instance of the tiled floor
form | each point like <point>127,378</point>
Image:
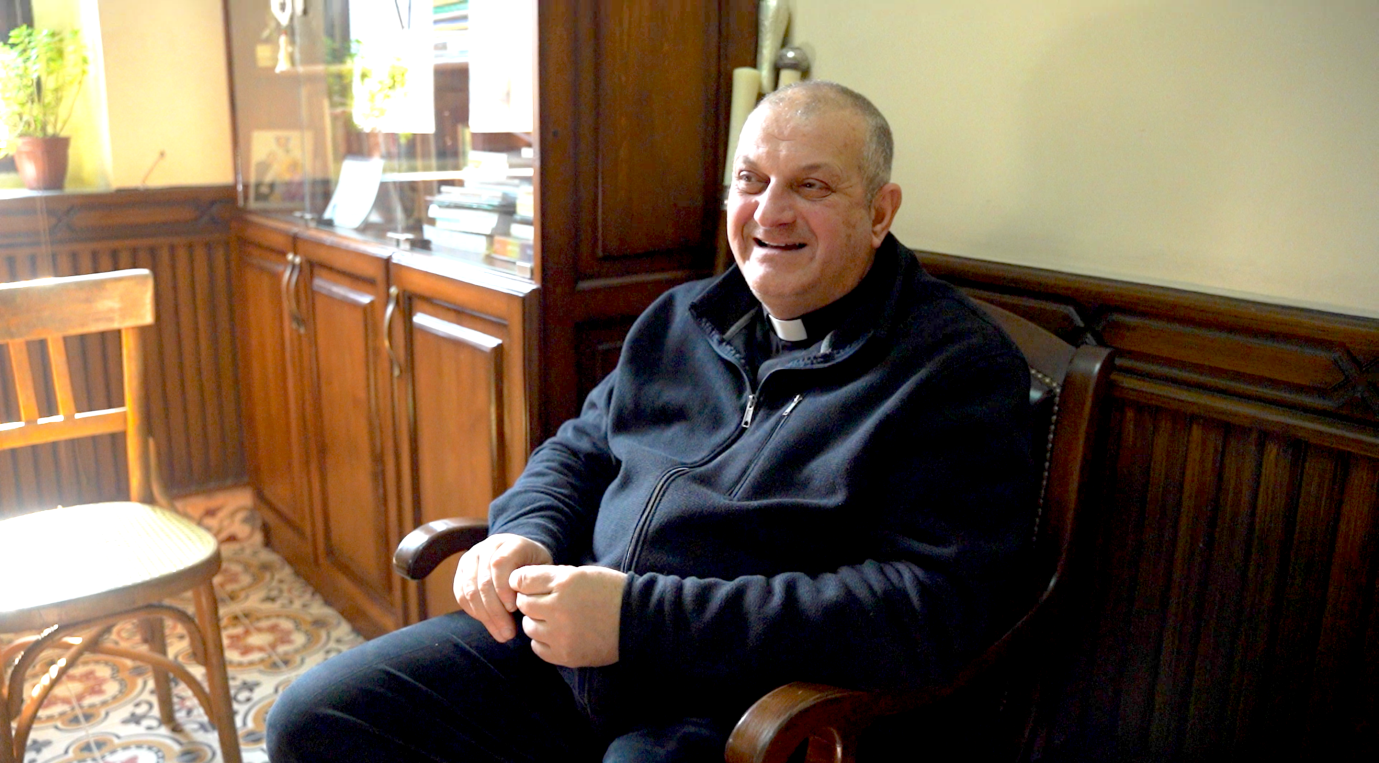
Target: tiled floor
<point>275,627</point>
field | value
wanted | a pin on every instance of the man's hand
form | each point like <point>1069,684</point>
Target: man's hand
<point>481,581</point>
<point>572,613</point>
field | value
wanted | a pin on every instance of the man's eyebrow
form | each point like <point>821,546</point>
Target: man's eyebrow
<point>746,161</point>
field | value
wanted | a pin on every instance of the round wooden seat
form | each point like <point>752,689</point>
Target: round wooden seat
<point>143,553</point>
<point>74,571</point>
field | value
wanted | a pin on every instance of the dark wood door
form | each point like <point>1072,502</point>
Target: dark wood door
<point>350,417</point>
<point>270,388</point>
<point>461,402</point>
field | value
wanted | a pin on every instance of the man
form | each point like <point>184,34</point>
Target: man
<point>814,467</point>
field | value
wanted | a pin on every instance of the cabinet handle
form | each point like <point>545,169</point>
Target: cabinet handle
<point>387,334</point>
<point>295,269</point>
<point>286,286</point>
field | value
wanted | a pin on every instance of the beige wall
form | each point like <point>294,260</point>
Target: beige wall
<point>167,89</point>
<point>1223,146</point>
<point>157,82</point>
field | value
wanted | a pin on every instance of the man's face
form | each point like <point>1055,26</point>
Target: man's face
<point>800,224</point>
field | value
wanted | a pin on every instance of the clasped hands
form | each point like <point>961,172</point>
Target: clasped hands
<point>571,614</point>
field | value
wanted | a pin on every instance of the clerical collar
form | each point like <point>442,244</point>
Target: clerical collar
<point>792,330</point>
<point>815,325</point>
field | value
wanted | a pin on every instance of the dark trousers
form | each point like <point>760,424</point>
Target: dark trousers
<point>444,690</point>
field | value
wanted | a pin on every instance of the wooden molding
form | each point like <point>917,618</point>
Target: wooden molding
<point>54,219</point>
<point>1308,360</point>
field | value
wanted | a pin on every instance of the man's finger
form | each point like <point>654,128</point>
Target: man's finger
<point>500,571</point>
<point>533,580</point>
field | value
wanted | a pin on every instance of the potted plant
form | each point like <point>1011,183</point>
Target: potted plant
<point>41,72</point>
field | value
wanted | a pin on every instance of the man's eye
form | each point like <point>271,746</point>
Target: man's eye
<point>748,182</point>
<point>813,189</point>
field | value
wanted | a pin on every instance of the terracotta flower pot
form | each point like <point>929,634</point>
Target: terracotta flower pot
<point>42,162</point>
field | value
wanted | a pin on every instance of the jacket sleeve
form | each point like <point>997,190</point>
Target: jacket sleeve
<point>947,485</point>
<point>556,498</point>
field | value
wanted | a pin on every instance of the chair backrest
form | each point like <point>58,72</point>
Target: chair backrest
<point>51,309</point>
<point>1067,385</point>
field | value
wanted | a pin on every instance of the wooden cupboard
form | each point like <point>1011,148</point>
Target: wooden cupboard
<point>377,395</point>
<point>462,353</point>
<point>401,386</point>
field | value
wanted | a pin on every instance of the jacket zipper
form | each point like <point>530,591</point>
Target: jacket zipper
<point>751,409</point>
<point>633,545</point>
<point>751,468</point>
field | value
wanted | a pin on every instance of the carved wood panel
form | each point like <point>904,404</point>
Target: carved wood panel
<point>458,436</point>
<point>1234,605</point>
<point>634,110</point>
<point>1235,568</point>
<point>344,324</point>
<point>272,407</point>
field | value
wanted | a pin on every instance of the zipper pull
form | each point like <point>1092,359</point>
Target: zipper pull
<point>792,405</point>
<point>751,408</point>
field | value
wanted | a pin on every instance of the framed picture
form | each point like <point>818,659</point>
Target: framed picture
<point>278,161</point>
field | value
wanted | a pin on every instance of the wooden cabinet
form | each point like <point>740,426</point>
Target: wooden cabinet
<point>271,393</point>
<point>378,395</point>
<point>463,354</point>
<point>318,411</point>
<point>341,295</point>
<point>385,388</point>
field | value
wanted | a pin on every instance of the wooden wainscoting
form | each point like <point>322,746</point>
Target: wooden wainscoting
<point>1234,609</point>
<point>182,235</point>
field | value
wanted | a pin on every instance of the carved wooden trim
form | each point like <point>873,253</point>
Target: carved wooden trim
<point>1308,360</point>
<point>54,219</point>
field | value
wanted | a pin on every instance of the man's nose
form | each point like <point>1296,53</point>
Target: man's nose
<point>775,207</point>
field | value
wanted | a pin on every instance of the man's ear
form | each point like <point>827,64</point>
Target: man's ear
<point>883,209</point>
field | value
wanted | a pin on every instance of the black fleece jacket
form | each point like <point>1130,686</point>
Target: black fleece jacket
<point>852,518</point>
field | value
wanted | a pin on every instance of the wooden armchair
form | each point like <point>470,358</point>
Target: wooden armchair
<point>77,571</point>
<point>1067,385</point>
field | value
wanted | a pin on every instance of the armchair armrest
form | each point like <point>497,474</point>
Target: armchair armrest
<point>830,718</point>
<point>827,717</point>
<point>427,546</point>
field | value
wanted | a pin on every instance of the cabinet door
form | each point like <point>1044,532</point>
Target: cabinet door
<point>270,389</point>
<point>461,387</point>
<point>352,435</point>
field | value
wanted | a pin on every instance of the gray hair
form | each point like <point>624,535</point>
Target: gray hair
<point>812,97</point>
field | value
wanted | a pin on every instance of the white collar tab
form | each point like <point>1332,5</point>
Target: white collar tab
<point>790,331</point>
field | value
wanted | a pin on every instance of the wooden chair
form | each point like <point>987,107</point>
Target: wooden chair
<point>1067,385</point>
<point>77,571</point>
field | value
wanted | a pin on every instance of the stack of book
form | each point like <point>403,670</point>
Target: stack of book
<point>450,25</point>
<point>493,218</point>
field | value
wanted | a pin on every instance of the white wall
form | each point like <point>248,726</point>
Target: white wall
<point>167,89</point>
<point>158,81</point>
<point>1224,146</point>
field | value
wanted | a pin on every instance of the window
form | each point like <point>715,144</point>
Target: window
<point>12,14</point>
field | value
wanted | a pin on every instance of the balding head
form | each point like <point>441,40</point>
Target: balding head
<point>813,98</point>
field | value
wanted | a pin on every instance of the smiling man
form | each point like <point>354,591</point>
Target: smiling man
<point>814,467</point>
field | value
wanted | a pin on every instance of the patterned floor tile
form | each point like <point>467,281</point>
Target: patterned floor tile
<point>274,625</point>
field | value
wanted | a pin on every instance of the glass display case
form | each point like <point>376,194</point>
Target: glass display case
<point>408,122</point>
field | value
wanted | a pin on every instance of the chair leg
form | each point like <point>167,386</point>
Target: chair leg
<point>152,629</point>
<point>217,680</point>
<point>7,753</point>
